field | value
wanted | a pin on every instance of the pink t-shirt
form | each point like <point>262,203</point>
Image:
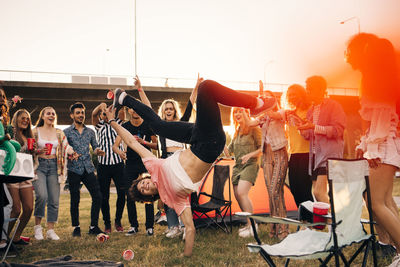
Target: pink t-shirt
<point>172,182</point>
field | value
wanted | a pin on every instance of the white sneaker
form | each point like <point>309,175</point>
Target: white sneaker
<point>396,261</point>
<point>246,227</point>
<point>174,232</point>
<point>246,232</point>
<point>51,235</point>
<point>38,230</point>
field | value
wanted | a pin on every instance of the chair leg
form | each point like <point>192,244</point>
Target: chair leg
<point>373,246</point>
<point>358,251</point>
<point>287,262</point>
<point>10,240</point>
<point>365,258</point>
<point>343,258</point>
<point>267,258</point>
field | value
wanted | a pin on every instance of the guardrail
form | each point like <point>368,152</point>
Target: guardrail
<point>58,77</point>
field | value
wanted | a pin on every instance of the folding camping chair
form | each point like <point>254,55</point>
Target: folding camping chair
<point>348,180</point>
<point>217,202</point>
<point>10,239</point>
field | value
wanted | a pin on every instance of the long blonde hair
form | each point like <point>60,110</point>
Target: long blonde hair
<point>245,127</point>
<point>161,109</point>
<point>40,121</point>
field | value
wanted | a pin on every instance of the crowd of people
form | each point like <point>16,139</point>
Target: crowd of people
<point>295,139</point>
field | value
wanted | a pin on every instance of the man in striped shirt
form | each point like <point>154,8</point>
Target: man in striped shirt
<point>110,166</point>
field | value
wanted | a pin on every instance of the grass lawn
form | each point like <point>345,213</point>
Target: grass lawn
<point>212,247</point>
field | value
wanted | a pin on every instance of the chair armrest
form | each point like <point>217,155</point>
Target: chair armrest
<point>278,220</point>
<point>211,196</point>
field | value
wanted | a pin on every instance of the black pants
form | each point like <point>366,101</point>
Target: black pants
<point>105,173</point>
<point>206,135</point>
<point>90,181</point>
<point>300,181</point>
<point>131,173</point>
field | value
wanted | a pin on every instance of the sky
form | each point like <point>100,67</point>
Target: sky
<point>226,40</point>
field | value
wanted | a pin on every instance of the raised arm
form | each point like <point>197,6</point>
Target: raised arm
<point>96,111</point>
<point>193,95</point>
<point>115,148</point>
<point>126,136</point>
<point>142,94</point>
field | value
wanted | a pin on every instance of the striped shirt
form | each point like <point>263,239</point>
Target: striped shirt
<point>106,138</point>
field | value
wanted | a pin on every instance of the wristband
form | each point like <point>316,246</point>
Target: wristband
<point>140,89</point>
<point>110,121</point>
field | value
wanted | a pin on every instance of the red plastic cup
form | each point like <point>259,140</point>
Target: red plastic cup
<point>102,237</point>
<point>128,255</point>
<point>110,95</point>
<point>31,142</point>
<point>320,208</point>
<point>25,238</point>
<point>49,147</point>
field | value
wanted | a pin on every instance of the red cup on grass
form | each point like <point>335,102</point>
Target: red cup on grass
<point>102,237</point>
<point>31,142</point>
<point>320,208</point>
<point>128,255</point>
<point>110,95</point>
<point>49,146</point>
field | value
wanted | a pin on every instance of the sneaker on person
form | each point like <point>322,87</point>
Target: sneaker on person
<point>132,231</point>
<point>166,231</point>
<point>174,232</point>
<point>107,229</point>
<point>150,231</point>
<point>116,104</point>
<point>268,104</point>
<point>21,242</point>
<point>246,227</point>
<point>51,235</point>
<point>162,220</point>
<point>76,232</point>
<point>95,230</point>
<point>396,261</point>
<point>38,231</point>
<point>118,227</point>
<point>246,232</point>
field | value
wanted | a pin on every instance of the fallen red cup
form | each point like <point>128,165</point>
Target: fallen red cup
<point>128,255</point>
<point>110,95</point>
<point>31,142</point>
<point>102,237</point>
<point>320,208</point>
<point>25,238</point>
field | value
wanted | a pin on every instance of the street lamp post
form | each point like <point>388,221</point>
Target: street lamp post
<point>353,18</point>
<point>105,61</point>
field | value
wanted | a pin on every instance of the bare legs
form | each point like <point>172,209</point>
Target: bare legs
<point>381,180</point>
<point>320,189</point>
<point>241,192</point>
<point>20,196</point>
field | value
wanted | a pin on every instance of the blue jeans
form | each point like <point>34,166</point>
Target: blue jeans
<point>47,190</point>
<point>172,217</point>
